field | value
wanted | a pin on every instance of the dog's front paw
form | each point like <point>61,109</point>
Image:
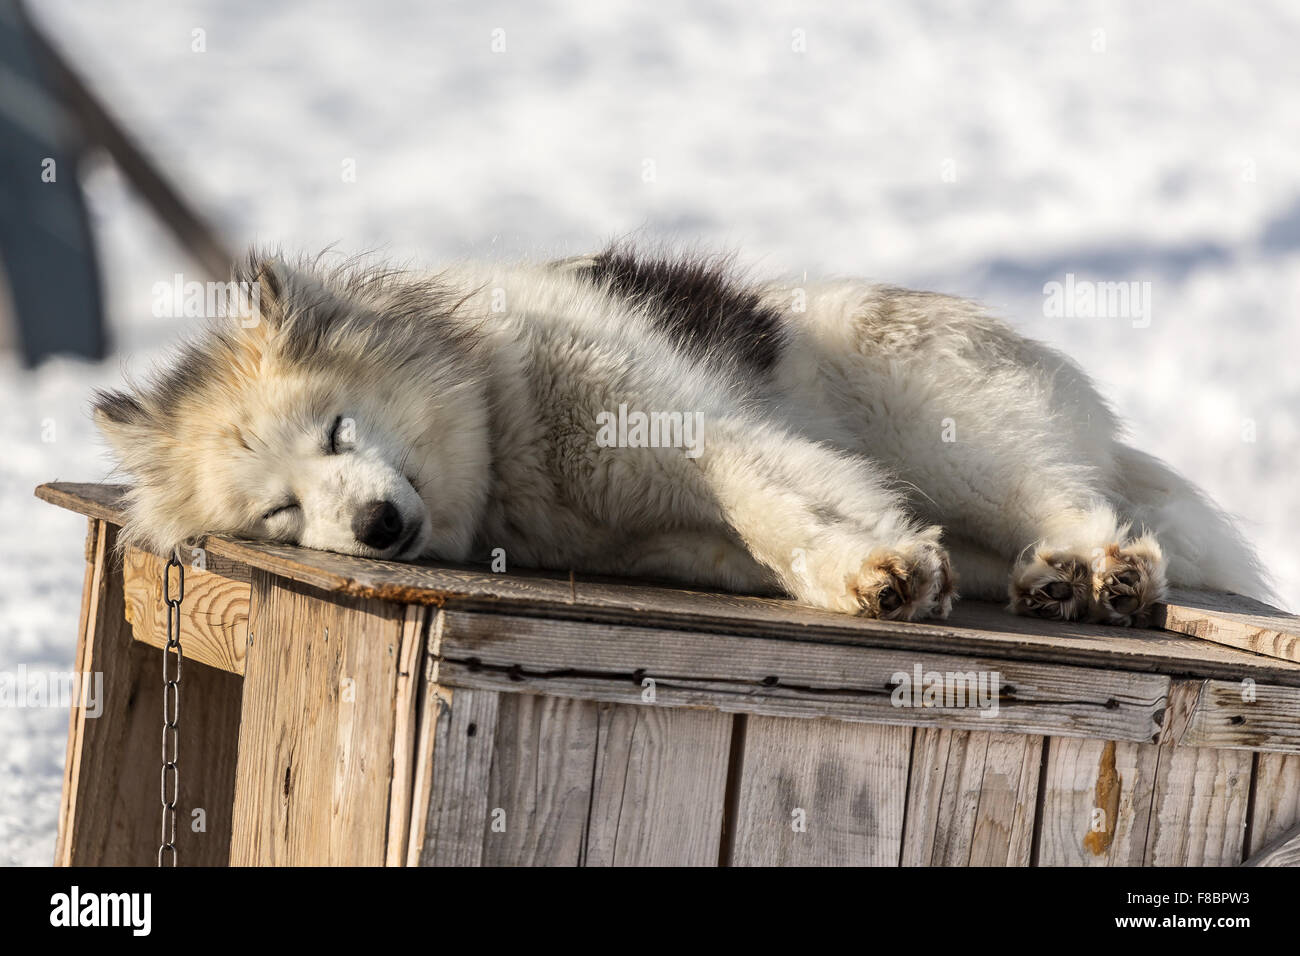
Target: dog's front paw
<point>902,584</point>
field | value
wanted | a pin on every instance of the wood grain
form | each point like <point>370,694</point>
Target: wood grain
<point>1243,715</point>
<point>971,798</point>
<point>539,790</point>
<point>318,733</point>
<point>975,628</point>
<point>659,788</point>
<point>458,811</point>
<point>821,793</point>
<point>433,702</point>
<point>110,805</point>
<point>785,678</point>
<point>1276,803</point>
<point>540,787</point>
<point>406,732</point>
<point>76,715</point>
<point>214,613</point>
<point>1284,851</point>
<point>1234,620</point>
<point>1198,815</point>
<point>1096,802</point>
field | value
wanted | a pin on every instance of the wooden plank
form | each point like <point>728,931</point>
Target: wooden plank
<point>105,502</point>
<point>1244,715</point>
<point>821,793</point>
<point>1275,803</point>
<point>1234,620</point>
<point>977,628</point>
<point>659,788</point>
<point>1099,796</point>
<point>1096,802</point>
<point>971,798</point>
<point>405,732</point>
<point>318,734</point>
<point>214,614</point>
<point>434,702</point>
<point>111,799</point>
<point>458,809</point>
<point>1198,815</point>
<point>76,714</point>
<point>1284,851</point>
<point>539,787</point>
<point>784,678</point>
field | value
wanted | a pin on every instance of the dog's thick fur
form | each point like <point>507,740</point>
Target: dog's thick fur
<point>863,448</point>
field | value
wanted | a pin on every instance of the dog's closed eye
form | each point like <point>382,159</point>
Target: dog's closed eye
<point>280,509</point>
<point>332,439</point>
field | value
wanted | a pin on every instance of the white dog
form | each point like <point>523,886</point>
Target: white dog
<point>860,448</point>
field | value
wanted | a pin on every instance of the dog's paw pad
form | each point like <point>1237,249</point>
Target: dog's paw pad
<point>1127,580</point>
<point>904,585</point>
<point>1052,584</point>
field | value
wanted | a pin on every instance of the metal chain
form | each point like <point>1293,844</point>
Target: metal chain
<point>171,712</point>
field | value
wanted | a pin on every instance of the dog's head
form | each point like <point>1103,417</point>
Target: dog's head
<point>343,411</point>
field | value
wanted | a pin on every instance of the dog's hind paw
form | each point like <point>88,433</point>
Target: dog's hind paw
<point>1117,584</point>
<point>1127,581</point>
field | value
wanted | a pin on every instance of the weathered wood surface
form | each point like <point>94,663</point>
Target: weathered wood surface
<point>1198,814</point>
<point>415,629</point>
<point>1096,803</point>
<point>458,808</point>
<point>971,798</point>
<point>523,780</point>
<point>1244,715</point>
<point>1117,804</point>
<point>540,785</point>
<point>1275,799</point>
<point>1234,620</point>
<point>90,589</point>
<point>553,723</point>
<point>660,786</point>
<point>787,678</point>
<point>318,736</point>
<point>1285,851</point>
<point>975,628</point>
<point>110,805</point>
<point>821,793</point>
<point>214,612</point>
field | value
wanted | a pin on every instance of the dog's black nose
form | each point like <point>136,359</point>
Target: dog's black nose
<point>377,524</point>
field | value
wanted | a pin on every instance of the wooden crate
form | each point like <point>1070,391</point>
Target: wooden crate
<point>345,711</point>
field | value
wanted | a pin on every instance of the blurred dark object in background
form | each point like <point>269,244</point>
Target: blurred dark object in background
<point>48,119</point>
<point>45,243</point>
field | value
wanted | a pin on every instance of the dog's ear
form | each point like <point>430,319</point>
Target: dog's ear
<point>122,419</point>
<point>272,281</point>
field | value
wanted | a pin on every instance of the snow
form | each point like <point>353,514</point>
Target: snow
<point>979,149</point>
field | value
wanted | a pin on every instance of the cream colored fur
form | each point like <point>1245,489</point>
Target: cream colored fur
<point>905,445</point>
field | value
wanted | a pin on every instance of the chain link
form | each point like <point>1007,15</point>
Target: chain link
<point>170,780</point>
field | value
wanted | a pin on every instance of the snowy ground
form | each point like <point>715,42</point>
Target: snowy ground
<point>980,149</point>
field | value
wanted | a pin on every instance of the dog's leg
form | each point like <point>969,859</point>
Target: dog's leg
<point>1087,566</point>
<point>828,525</point>
<point>695,558</point>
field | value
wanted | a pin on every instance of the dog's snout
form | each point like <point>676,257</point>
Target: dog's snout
<point>377,524</point>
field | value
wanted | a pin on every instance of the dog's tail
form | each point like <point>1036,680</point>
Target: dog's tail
<point>1201,542</point>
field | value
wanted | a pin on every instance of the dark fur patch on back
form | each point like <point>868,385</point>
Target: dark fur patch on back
<point>698,304</point>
